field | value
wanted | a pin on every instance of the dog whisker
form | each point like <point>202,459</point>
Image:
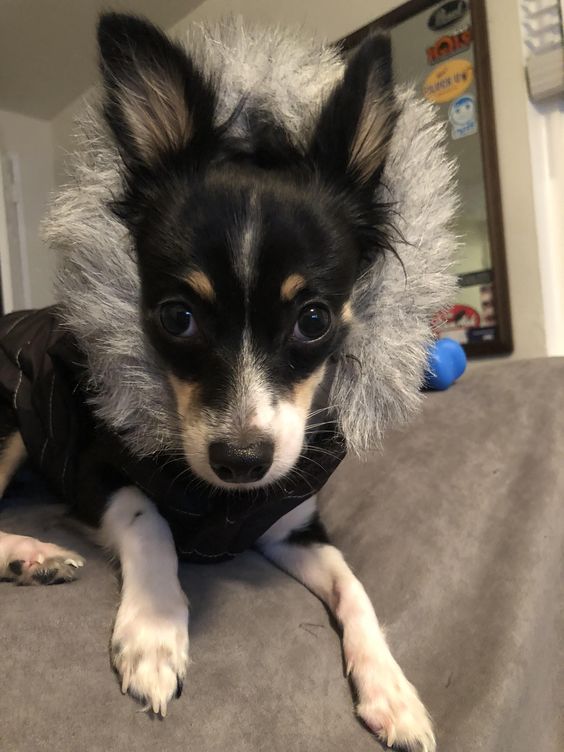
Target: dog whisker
<point>322,450</point>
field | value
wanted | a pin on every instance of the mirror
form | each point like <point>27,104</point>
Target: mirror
<point>442,49</point>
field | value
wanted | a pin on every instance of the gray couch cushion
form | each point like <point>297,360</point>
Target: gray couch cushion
<point>456,530</point>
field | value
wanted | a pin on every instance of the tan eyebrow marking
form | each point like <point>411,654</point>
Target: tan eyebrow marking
<point>201,284</point>
<point>291,286</point>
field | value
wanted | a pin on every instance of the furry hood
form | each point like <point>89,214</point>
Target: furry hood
<point>380,369</point>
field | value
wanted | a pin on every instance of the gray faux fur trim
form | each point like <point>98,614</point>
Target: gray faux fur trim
<point>394,306</point>
<point>98,282</point>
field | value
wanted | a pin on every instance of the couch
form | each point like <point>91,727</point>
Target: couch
<point>457,531</point>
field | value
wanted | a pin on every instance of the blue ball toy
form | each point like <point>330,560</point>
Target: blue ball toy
<point>447,363</point>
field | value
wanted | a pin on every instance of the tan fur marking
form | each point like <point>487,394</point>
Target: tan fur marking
<point>291,286</point>
<point>201,283</point>
<point>347,312</point>
<point>186,395</point>
<point>303,392</point>
<point>12,455</point>
<point>193,427</point>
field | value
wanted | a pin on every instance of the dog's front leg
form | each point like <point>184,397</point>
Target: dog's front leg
<point>388,703</point>
<point>149,645</point>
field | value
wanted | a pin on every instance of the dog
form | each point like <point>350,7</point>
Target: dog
<point>202,391</point>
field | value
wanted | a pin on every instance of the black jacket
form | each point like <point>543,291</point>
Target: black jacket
<point>43,377</point>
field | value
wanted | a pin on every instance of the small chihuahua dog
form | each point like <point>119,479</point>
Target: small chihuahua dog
<point>245,244</point>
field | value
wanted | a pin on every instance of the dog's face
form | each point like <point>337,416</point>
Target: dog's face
<point>246,281</point>
<point>247,252</point>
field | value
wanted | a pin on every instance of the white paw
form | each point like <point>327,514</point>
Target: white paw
<point>28,561</point>
<point>389,705</point>
<point>149,650</point>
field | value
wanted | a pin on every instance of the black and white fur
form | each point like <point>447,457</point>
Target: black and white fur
<point>245,193</point>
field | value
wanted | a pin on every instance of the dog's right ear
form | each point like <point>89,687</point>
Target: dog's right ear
<point>356,124</point>
<point>157,103</point>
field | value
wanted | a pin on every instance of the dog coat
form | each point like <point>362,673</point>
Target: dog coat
<point>43,375</point>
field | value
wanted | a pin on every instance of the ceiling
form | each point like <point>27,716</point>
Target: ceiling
<point>48,50</point>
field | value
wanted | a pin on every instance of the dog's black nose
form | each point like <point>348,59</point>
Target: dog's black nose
<point>238,464</point>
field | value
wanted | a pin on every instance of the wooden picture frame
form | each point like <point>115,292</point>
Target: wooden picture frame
<point>502,343</point>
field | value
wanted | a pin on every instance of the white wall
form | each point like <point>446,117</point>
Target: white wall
<point>513,139</point>
<point>30,140</point>
<point>546,124</point>
<point>335,18</point>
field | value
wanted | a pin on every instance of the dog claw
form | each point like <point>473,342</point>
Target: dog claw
<point>76,563</point>
<point>179,687</point>
<point>125,683</point>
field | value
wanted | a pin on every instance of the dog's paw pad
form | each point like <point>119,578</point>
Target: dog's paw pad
<point>16,567</point>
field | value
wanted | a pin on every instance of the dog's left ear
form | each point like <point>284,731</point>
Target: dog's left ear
<point>355,126</point>
<point>157,103</point>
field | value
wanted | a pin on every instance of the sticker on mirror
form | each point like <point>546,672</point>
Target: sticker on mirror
<point>462,116</point>
<point>456,321</point>
<point>449,45</point>
<point>447,14</point>
<point>448,81</point>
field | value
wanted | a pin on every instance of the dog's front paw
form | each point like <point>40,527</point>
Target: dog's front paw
<point>149,651</point>
<point>28,561</point>
<point>390,706</point>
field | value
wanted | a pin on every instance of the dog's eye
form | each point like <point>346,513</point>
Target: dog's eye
<point>177,319</point>
<point>313,322</point>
